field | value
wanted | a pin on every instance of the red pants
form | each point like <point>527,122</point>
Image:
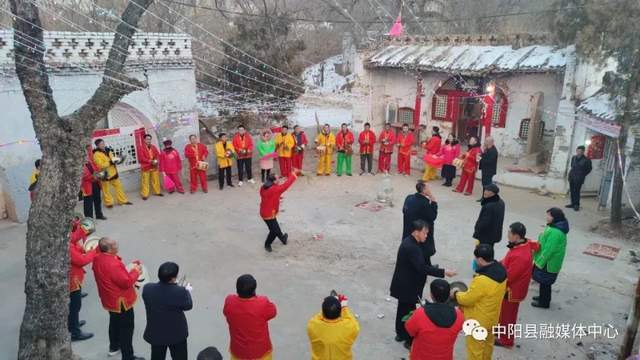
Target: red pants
<point>404,163</point>
<point>194,174</point>
<point>297,159</point>
<point>384,162</point>
<point>285,166</point>
<point>176,180</point>
<point>466,178</point>
<point>508,316</point>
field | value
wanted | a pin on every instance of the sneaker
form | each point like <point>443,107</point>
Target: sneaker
<point>569,206</point>
<point>399,338</point>
<point>268,248</point>
<point>159,194</point>
<point>101,218</point>
<point>113,352</point>
<point>362,173</point>
<point>251,181</point>
<point>285,238</point>
<point>538,305</point>
<point>240,183</point>
<point>128,203</point>
<point>81,336</point>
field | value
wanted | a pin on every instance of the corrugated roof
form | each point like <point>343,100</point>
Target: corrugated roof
<point>599,105</point>
<point>473,58</point>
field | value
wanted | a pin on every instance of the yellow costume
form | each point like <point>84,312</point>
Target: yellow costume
<point>325,144</point>
<point>482,302</point>
<point>34,177</point>
<point>104,162</point>
<point>333,339</point>
<point>224,161</point>
<point>284,145</point>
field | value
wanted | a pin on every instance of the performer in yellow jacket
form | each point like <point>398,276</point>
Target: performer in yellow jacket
<point>325,143</point>
<point>333,331</point>
<point>225,153</point>
<point>482,301</point>
<point>104,160</point>
<point>285,143</point>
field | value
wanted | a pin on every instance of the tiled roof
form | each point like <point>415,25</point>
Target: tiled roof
<point>600,106</point>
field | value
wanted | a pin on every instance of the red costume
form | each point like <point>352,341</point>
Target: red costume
<point>146,155</point>
<point>344,140</point>
<point>114,282</point>
<point>387,139</point>
<point>243,145</point>
<point>405,142</point>
<point>469,168</point>
<point>78,260</point>
<point>433,145</point>
<point>298,150</point>
<point>519,265</point>
<point>366,139</point>
<point>430,341</point>
<point>248,325</point>
<point>77,233</point>
<point>195,153</point>
<point>171,165</point>
<point>270,198</point>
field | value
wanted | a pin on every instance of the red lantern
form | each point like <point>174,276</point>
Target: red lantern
<point>595,151</point>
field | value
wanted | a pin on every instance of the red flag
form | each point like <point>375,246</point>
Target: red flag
<point>396,29</point>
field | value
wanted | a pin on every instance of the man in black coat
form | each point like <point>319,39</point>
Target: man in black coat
<point>488,162</point>
<point>166,302</point>
<point>488,229</point>
<point>580,168</point>
<point>410,276</point>
<point>421,206</point>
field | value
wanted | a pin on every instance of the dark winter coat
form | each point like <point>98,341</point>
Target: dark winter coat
<point>488,229</point>
<point>165,305</point>
<point>580,168</point>
<point>410,274</point>
<point>489,161</point>
<point>419,207</point>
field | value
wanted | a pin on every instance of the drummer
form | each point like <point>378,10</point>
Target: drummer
<point>78,259</point>
<point>197,154</point>
<point>118,295</point>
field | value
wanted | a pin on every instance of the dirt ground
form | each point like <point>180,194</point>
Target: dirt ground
<point>218,236</point>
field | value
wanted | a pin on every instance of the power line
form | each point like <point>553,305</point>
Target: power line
<point>371,21</point>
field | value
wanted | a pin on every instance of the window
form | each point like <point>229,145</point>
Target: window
<point>524,129</point>
<point>497,110</point>
<point>123,142</point>
<point>405,116</point>
<point>439,107</point>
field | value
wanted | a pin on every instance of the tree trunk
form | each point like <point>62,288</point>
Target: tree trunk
<point>43,333</point>
<point>619,163</point>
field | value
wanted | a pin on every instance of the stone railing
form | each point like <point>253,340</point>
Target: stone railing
<point>91,49</point>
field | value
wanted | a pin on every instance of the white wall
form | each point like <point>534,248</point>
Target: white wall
<point>170,90</point>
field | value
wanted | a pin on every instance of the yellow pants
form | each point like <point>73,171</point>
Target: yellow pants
<point>430,173</point>
<point>324,164</point>
<point>145,177</point>
<point>480,350</point>
<point>106,192</point>
<point>269,356</point>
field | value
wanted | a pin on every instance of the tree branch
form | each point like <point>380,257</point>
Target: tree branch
<point>115,85</point>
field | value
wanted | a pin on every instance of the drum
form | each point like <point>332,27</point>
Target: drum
<point>321,149</point>
<point>91,243</point>
<point>458,163</point>
<point>143,278</point>
<point>202,165</point>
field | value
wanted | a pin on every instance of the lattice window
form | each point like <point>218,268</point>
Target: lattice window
<point>439,107</point>
<point>405,115</point>
<point>123,142</point>
<point>525,124</point>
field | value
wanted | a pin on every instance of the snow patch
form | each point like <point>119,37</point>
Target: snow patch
<point>322,77</point>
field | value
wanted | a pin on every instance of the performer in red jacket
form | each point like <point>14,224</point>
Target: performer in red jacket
<point>298,150</point>
<point>197,154</point>
<point>469,168</point>
<point>78,260</point>
<point>366,139</point>
<point>243,144</point>
<point>435,327</point>
<point>270,194</point>
<point>148,157</point>
<point>387,138</point>
<point>405,142</point>
<point>519,265</point>
<point>90,188</point>
<point>117,294</point>
<point>248,315</point>
<point>171,165</point>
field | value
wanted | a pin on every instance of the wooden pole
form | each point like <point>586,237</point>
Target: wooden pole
<point>632,326</point>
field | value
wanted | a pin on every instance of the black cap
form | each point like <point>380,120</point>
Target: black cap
<point>493,188</point>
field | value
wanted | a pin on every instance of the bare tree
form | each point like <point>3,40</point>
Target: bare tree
<point>62,139</point>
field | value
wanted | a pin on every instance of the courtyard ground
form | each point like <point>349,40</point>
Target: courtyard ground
<point>218,236</point>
